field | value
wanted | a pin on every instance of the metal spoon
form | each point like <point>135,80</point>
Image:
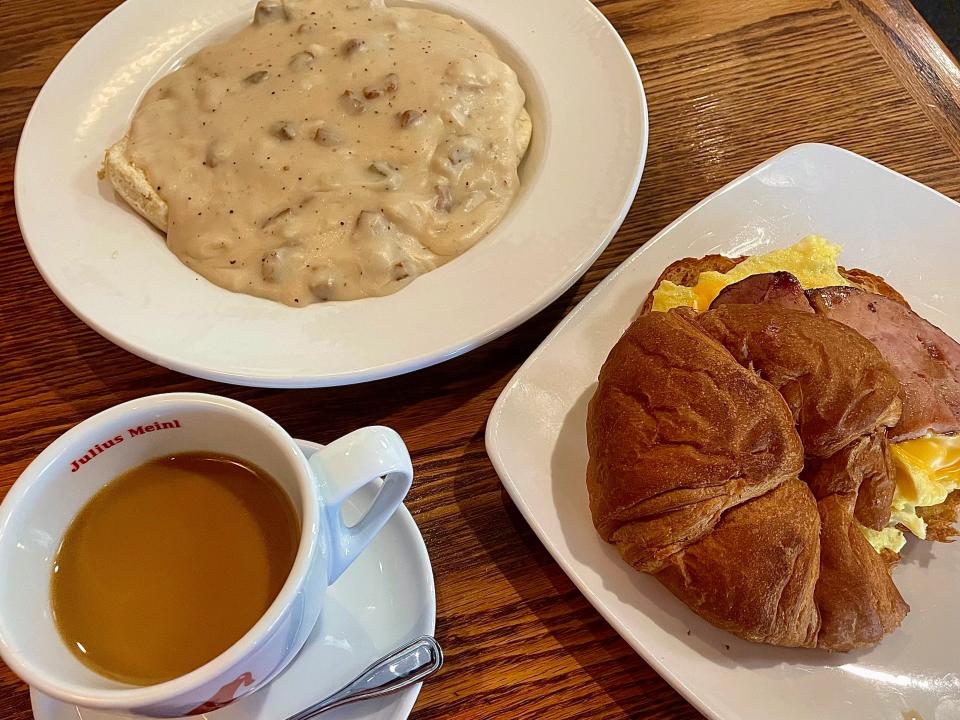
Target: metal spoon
<point>401,668</point>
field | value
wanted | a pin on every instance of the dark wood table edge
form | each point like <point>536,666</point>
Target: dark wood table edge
<point>919,59</point>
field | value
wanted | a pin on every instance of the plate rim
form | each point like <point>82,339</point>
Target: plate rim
<point>443,352</point>
<point>492,444</point>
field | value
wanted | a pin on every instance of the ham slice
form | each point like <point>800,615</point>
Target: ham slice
<point>779,288</point>
<point>925,359</point>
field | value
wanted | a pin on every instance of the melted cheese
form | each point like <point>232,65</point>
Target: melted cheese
<point>813,261</point>
<point>927,471</point>
<point>333,149</point>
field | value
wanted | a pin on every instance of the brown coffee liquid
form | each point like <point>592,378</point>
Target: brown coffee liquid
<point>170,564</point>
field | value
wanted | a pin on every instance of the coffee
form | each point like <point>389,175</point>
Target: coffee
<point>170,564</point>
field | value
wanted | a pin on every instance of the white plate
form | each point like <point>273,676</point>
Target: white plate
<point>114,271</point>
<point>385,599</point>
<point>536,438</point>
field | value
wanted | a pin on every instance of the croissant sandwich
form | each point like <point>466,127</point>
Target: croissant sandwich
<point>763,435</point>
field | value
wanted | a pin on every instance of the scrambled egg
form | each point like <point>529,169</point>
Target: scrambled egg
<point>928,469</point>
<point>813,261</point>
<point>887,539</point>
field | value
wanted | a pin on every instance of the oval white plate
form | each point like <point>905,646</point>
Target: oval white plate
<point>536,438</point>
<point>385,599</point>
<point>115,272</point>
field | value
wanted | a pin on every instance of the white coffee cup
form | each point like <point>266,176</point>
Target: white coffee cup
<point>64,477</point>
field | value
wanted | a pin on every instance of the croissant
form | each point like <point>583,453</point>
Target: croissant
<point>697,435</point>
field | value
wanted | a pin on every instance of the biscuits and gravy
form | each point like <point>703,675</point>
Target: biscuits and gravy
<point>331,150</point>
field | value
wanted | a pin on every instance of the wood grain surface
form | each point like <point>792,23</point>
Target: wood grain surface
<point>729,84</point>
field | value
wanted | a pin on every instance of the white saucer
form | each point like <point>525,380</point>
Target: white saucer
<point>384,600</point>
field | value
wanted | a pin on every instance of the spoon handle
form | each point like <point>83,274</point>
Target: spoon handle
<point>399,669</point>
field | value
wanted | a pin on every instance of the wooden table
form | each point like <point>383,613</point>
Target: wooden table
<point>729,84</point>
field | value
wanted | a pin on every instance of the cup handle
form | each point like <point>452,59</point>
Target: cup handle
<point>348,464</point>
